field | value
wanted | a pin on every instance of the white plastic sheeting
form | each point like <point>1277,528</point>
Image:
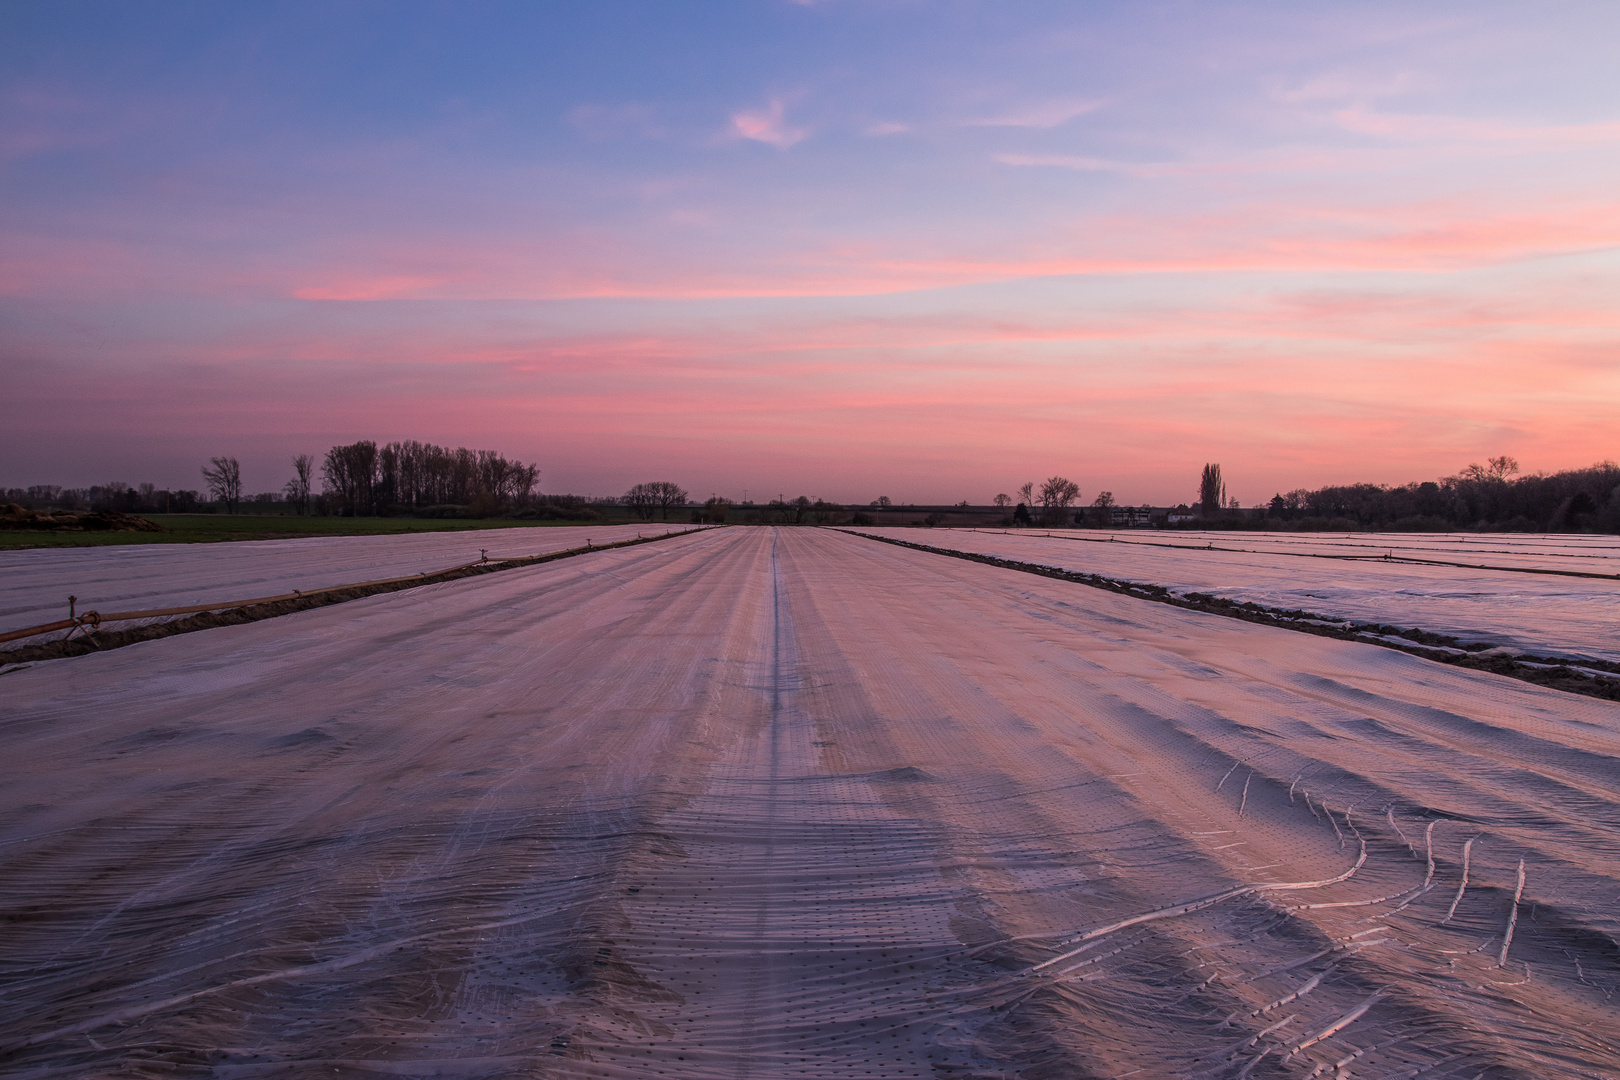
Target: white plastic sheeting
<point>782,803</point>
<point>35,583</point>
<point>1544,614</point>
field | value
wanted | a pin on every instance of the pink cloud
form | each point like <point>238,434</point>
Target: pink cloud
<point>1271,238</point>
<point>1080,163</point>
<point>938,402</point>
<point>767,125</point>
<point>370,288</point>
<point>668,262</point>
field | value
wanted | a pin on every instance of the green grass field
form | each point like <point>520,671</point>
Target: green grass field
<point>212,528</point>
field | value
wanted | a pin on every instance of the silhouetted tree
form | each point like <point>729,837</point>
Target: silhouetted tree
<point>224,479</point>
<point>669,496</point>
<point>1211,491</point>
<point>659,496</point>
<point>297,489</point>
<point>1102,509</point>
<point>350,476</point>
<point>1056,496</point>
<point>641,502</point>
<point>1497,469</point>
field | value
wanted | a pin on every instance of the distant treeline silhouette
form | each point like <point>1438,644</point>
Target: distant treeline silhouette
<point>357,479</point>
<point>364,479</point>
<point>413,478</point>
<point>115,495</point>
<point>1485,497</point>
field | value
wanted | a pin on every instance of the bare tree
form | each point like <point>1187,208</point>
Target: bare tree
<point>1002,501</point>
<point>669,496</point>
<point>883,502</point>
<point>1056,496</point>
<point>1102,509</point>
<point>297,488</point>
<point>350,473</point>
<point>641,501</point>
<point>1498,469</point>
<point>224,481</point>
<point>1211,491</point>
<point>659,496</point>
<point>1026,493</point>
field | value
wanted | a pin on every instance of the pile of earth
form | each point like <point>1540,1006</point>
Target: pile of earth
<point>13,516</point>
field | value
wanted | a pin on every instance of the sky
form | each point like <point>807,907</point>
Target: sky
<point>850,248</point>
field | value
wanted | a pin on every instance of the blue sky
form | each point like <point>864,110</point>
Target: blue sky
<point>929,250</point>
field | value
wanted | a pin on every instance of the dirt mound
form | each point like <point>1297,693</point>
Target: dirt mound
<point>13,516</point>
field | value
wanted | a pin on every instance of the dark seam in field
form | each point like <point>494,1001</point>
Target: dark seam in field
<point>101,641</point>
<point>1557,676</point>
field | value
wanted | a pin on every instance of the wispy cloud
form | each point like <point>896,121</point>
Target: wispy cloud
<point>1343,86</point>
<point>1080,163</point>
<point>767,125</point>
<point>1429,130</point>
<point>38,120</point>
<point>1049,114</point>
<point>614,121</point>
<point>886,127</point>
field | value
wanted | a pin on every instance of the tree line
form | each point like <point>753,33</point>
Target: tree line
<point>365,479</point>
<point>362,479</point>
<point>126,498</point>
<point>1054,499</point>
<point>421,478</point>
<point>655,497</point>
<point>1488,497</point>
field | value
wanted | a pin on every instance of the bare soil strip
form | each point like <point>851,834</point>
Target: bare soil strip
<point>762,803</point>
<point>1600,680</point>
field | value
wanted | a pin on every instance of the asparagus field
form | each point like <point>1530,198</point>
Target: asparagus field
<point>783,803</point>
